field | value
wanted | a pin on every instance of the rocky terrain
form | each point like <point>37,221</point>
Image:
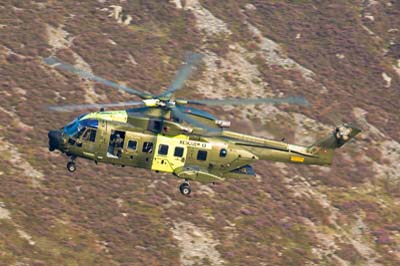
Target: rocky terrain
<point>344,56</point>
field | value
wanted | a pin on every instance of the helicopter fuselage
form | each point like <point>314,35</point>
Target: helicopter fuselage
<point>161,145</point>
<point>168,135</point>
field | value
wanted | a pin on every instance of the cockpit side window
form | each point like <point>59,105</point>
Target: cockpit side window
<point>81,130</point>
<point>76,127</point>
<point>90,135</point>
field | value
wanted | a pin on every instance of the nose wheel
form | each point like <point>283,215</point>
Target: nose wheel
<point>71,166</point>
<point>185,189</point>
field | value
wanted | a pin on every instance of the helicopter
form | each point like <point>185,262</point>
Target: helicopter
<point>165,134</point>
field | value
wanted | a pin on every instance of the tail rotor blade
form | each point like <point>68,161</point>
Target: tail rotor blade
<point>54,62</point>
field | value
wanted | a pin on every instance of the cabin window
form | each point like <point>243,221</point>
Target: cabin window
<point>148,147</point>
<point>178,152</point>
<point>201,155</point>
<point>89,135</point>
<point>117,139</point>
<point>132,144</point>
<point>163,149</point>
<point>223,153</point>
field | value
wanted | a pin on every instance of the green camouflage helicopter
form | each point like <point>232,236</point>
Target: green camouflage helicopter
<point>165,134</point>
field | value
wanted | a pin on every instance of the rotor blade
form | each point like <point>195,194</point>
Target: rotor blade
<point>288,100</point>
<point>183,74</point>
<point>53,61</point>
<point>69,108</point>
<point>176,113</point>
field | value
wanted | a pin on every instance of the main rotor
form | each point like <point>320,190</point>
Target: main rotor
<point>165,100</point>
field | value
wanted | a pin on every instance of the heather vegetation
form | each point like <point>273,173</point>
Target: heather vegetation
<point>343,59</point>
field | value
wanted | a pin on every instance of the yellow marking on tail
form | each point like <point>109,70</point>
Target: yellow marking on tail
<point>297,159</point>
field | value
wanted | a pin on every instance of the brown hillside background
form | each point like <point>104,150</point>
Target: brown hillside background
<point>348,214</point>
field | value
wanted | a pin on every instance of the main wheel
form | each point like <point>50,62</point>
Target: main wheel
<point>71,167</point>
<point>185,189</point>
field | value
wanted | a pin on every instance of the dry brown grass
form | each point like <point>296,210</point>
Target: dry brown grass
<point>105,215</point>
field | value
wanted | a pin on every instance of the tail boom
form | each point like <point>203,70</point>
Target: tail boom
<point>319,153</point>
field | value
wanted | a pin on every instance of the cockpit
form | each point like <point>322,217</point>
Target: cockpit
<point>77,126</point>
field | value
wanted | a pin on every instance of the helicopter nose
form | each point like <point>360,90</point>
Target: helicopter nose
<point>55,139</point>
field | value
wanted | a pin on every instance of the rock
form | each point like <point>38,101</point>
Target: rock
<point>250,7</point>
<point>116,12</point>
<point>370,17</point>
<point>369,3</point>
<point>58,38</point>
<point>397,67</point>
<point>340,56</point>
<point>197,245</point>
<point>275,55</point>
<point>112,42</point>
<point>20,91</point>
<point>205,20</point>
<point>128,20</point>
<point>387,79</point>
<point>245,212</point>
<point>18,162</point>
<point>177,3</point>
<point>368,30</point>
<point>25,236</point>
<point>132,60</point>
<point>4,213</point>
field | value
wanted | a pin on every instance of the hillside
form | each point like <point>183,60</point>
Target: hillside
<point>343,56</point>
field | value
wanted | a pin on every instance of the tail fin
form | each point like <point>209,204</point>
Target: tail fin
<point>325,147</point>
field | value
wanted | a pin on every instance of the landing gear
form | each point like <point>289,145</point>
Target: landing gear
<point>71,166</point>
<point>185,188</point>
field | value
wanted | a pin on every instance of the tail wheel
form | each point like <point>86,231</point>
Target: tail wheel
<point>185,189</point>
<point>71,166</point>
